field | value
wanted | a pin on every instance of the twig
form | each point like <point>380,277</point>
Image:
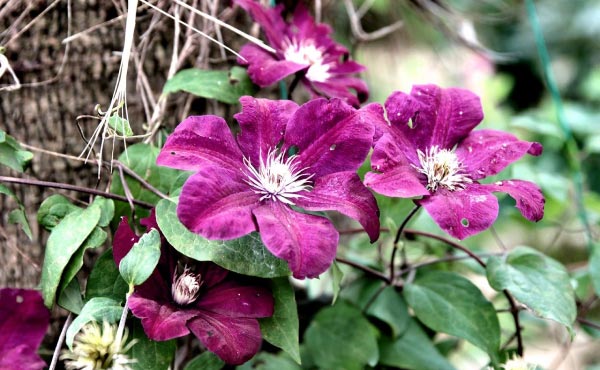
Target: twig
<point>60,341</point>
<point>357,29</point>
<point>363,268</point>
<point>80,189</point>
<point>397,239</point>
<point>589,323</point>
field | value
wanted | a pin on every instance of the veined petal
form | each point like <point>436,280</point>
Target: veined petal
<point>331,136</point>
<point>160,320</point>
<point>123,240</point>
<point>234,339</point>
<point>345,193</point>
<point>339,87</point>
<point>487,152</point>
<point>22,357</point>
<point>264,68</point>
<point>399,182</point>
<point>270,19</point>
<point>201,141</point>
<point>529,197</point>
<point>308,243</point>
<point>262,123</point>
<point>217,204</point>
<point>432,116</point>
<point>235,300</point>
<point>462,213</point>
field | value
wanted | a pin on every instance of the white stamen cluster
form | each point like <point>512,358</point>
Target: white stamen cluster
<point>278,179</point>
<point>95,348</point>
<point>442,168</point>
<point>186,287</point>
<point>308,53</point>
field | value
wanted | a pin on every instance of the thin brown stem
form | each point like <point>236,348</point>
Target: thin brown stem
<point>80,189</point>
<point>363,268</point>
<point>397,239</point>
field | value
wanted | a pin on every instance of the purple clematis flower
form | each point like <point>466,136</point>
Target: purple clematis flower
<point>255,184</point>
<point>209,302</point>
<point>305,47</point>
<point>428,149</point>
<point>24,321</point>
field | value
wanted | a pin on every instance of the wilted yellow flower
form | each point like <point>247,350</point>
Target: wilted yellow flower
<point>94,348</point>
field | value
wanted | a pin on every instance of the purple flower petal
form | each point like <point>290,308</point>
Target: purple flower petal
<point>264,68</point>
<point>437,116</point>
<point>339,87</point>
<point>308,243</point>
<point>24,321</point>
<point>462,213</point>
<point>262,123</point>
<point>331,136</point>
<point>487,152</point>
<point>236,300</point>
<point>201,141</point>
<point>529,197</point>
<point>161,320</point>
<point>123,240</point>
<point>270,19</point>
<point>217,204</point>
<point>234,340</point>
<point>345,193</point>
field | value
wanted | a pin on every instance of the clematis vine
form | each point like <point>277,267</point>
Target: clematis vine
<point>303,47</point>
<point>428,149</point>
<point>208,301</point>
<point>24,321</point>
<point>286,161</point>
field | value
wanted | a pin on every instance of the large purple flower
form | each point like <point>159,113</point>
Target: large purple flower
<point>23,323</point>
<point>305,47</point>
<point>208,301</point>
<point>256,184</point>
<point>429,150</point>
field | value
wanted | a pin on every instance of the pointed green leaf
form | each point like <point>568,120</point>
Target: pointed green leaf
<point>64,240</point>
<point>281,329</point>
<point>105,280</point>
<point>246,255</point>
<point>139,263</point>
<point>150,355</point>
<point>269,361</point>
<point>96,309</point>
<point>336,280</point>
<point>341,324</point>
<point>412,350</point>
<point>224,86</point>
<point>120,125</point>
<point>12,154</point>
<point>205,361</point>
<point>70,297</point>
<point>17,216</point>
<point>451,304</point>
<point>107,208</point>
<point>537,281</point>
<point>389,307</point>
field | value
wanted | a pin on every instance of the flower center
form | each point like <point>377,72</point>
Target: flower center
<point>308,53</point>
<point>186,287</point>
<point>278,179</point>
<point>442,168</point>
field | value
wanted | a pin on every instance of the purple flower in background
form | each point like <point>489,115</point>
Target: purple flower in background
<point>23,323</point>
<point>429,149</point>
<point>254,183</point>
<point>305,47</point>
<point>208,301</point>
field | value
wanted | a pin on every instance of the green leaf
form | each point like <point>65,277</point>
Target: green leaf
<point>451,304</point>
<point>150,355</point>
<point>107,208</point>
<point>12,154</point>
<point>537,281</point>
<point>269,361</point>
<point>224,86</point>
<point>17,216</point>
<point>137,266</point>
<point>94,240</point>
<point>105,280</point>
<point>53,209</point>
<point>344,324</point>
<point>205,361</point>
<point>70,297</point>
<point>281,329</point>
<point>336,280</point>
<point>389,307</point>
<point>141,159</point>
<point>96,309</point>
<point>246,255</point>
<point>412,350</point>
<point>64,240</point>
<point>120,125</point>
<point>594,267</point>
